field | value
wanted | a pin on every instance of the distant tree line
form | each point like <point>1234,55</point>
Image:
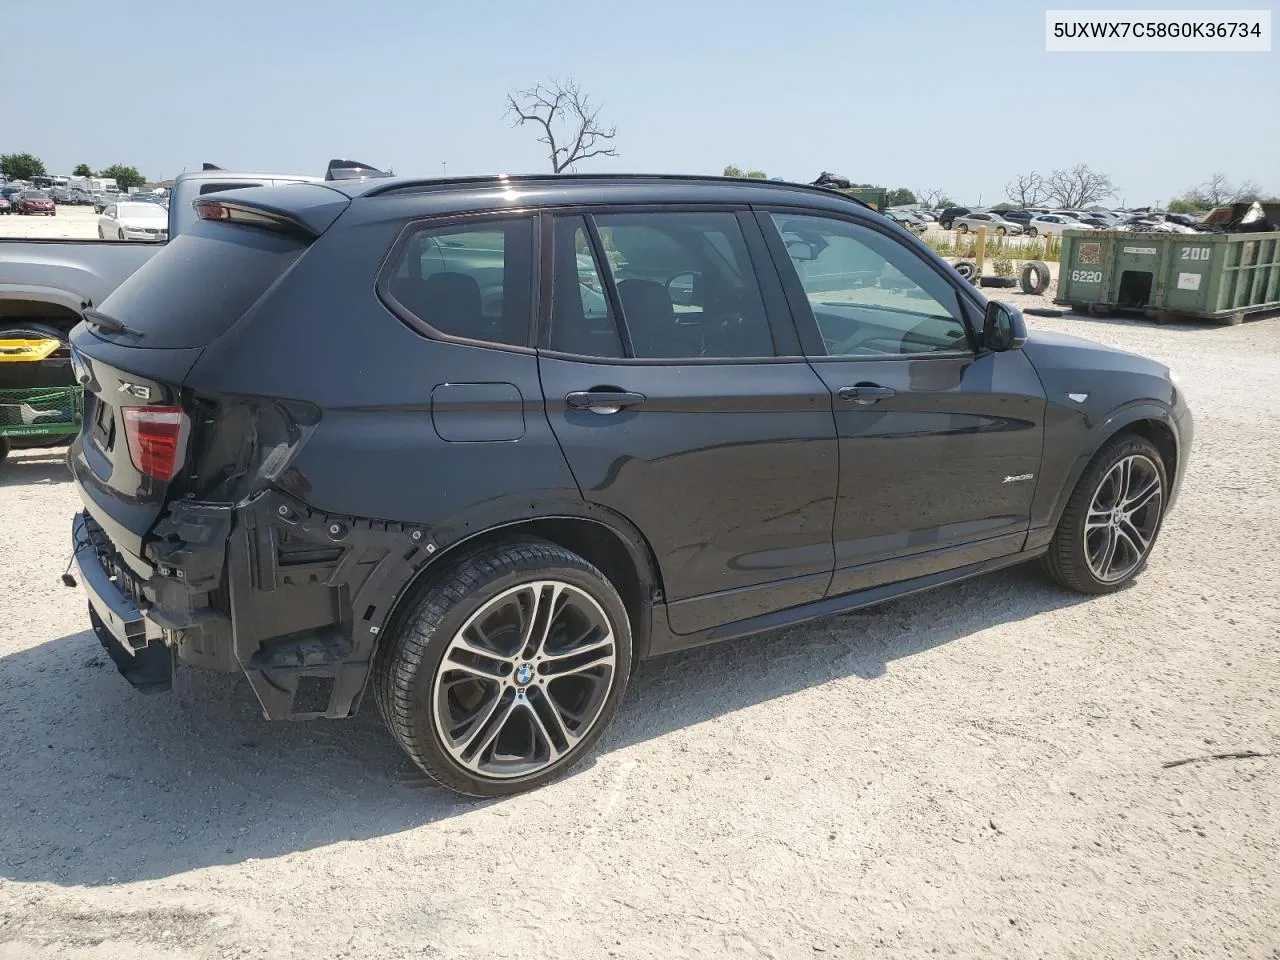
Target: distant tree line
<point>24,166</point>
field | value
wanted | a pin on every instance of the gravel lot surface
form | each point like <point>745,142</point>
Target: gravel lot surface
<point>69,223</point>
<point>977,772</point>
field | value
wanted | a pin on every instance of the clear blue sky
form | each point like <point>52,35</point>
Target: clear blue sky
<point>955,95</point>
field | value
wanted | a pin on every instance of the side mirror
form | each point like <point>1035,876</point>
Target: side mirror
<point>685,289</point>
<point>1003,327</point>
<point>800,251</point>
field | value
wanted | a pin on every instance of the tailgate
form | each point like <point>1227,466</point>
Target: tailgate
<point>117,493</point>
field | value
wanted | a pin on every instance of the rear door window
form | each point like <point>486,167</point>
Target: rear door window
<point>686,285</point>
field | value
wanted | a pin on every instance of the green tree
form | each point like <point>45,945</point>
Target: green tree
<point>125,177</point>
<point>21,166</point>
<point>900,197</point>
<point>732,171</point>
<point>757,175</point>
<point>1183,205</point>
<point>735,171</point>
<point>1001,207</point>
<point>82,170</point>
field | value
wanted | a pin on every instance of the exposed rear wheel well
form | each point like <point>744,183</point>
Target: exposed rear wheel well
<point>595,542</point>
<point>1160,435</point>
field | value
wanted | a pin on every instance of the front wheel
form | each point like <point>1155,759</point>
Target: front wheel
<point>1031,232</point>
<point>962,228</point>
<point>509,669</point>
<point>1111,521</point>
<point>1001,231</point>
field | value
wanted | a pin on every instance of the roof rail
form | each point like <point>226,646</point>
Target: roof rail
<point>399,186</point>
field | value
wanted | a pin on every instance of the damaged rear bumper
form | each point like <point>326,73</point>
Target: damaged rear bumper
<point>293,598</point>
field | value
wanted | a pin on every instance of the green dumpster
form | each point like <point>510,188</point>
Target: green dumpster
<point>1220,277</point>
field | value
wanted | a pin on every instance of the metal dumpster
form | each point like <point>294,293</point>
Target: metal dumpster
<point>1220,277</point>
<point>38,407</point>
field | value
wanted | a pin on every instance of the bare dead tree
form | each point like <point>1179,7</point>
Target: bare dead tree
<point>1026,190</point>
<point>569,122</point>
<point>1078,186</point>
<point>930,196</point>
<point>1218,190</point>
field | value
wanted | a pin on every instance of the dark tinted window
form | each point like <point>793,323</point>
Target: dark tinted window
<point>686,285</point>
<point>469,280</point>
<point>870,295</point>
<point>219,187</point>
<point>199,284</point>
<point>581,320</point>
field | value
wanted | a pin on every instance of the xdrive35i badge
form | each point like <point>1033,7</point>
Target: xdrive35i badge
<point>1021,476</point>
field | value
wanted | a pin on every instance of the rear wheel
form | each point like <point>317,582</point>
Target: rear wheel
<point>1112,519</point>
<point>962,228</point>
<point>508,670</point>
<point>1031,232</point>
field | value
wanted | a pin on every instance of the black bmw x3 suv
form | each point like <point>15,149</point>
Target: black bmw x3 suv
<point>481,445</point>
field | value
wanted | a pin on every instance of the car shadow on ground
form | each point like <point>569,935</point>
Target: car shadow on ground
<point>105,785</point>
<point>40,465</point>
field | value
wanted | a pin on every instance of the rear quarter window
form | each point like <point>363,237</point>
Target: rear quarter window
<point>471,281</point>
<point>199,284</point>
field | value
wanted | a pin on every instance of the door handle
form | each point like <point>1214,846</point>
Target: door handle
<point>603,401</point>
<point>865,393</point>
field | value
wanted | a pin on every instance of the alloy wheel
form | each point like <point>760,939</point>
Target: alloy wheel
<point>524,679</point>
<point>1123,517</point>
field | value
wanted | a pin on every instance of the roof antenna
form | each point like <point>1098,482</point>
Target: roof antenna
<point>210,166</point>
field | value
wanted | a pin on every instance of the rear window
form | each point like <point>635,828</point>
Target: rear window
<point>198,285</point>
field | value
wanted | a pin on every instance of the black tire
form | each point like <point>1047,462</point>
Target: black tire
<point>28,330</point>
<point>120,235</point>
<point>408,661</point>
<point>962,228</point>
<point>1001,231</point>
<point>1035,277</point>
<point>967,269</point>
<point>1031,232</point>
<point>1067,561</point>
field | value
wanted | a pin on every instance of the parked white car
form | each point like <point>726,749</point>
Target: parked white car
<point>992,221</point>
<point>1052,225</point>
<point>134,221</point>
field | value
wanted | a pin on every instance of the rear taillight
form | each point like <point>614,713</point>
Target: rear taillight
<point>157,438</point>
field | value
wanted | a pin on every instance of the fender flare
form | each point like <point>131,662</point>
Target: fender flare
<point>452,536</point>
<point>56,296</point>
<point>383,563</point>
<point>1103,431</point>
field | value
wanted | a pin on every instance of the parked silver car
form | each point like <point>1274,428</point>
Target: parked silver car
<point>992,221</point>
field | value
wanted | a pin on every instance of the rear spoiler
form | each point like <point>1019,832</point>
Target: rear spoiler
<point>352,170</point>
<point>303,210</point>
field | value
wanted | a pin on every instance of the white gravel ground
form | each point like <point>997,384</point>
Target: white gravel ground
<point>977,772</point>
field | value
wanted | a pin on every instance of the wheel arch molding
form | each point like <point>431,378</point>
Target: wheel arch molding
<point>1152,419</point>
<point>383,566</point>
